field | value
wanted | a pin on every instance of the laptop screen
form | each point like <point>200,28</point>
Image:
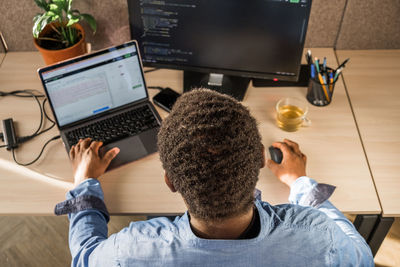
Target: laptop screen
<point>94,84</point>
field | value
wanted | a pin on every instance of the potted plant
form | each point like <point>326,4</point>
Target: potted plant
<point>57,33</point>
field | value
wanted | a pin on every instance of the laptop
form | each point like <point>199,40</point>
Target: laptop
<point>103,96</point>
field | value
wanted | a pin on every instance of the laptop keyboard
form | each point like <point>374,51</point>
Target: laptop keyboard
<point>130,123</point>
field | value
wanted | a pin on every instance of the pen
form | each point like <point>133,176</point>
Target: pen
<point>316,62</point>
<point>341,66</point>
<point>337,74</point>
<point>309,57</point>
<point>324,64</point>
<point>330,82</point>
<point>324,79</point>
<point>312,71</point>
<point>323,87</point>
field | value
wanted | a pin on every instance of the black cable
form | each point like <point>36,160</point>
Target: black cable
<point>151,70</point>
<point>41,152</point>
<point>43,131</point>
<point>41,117</point>
<point>43,114</point>
<point>29,137</point>
<point>22,93</point>
<point>30,93</point>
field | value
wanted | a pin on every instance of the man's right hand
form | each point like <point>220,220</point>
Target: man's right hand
<point>293,164</point>
<point>86,161</point>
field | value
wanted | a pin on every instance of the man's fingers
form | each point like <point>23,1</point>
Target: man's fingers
<point>110,155</point>
<point>72,152</point>
<point>272,164</point>
<point>304,158</point>
<point>78,146</point>
<point>283,147</point>
<point>293,145</point>
<point>95,145</point>
<point>86,143</point>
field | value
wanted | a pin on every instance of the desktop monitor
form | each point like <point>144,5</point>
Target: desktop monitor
<point>222,44</point>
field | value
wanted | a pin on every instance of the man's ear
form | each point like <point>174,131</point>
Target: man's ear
<point>168,183</point>
<point>263,157</point>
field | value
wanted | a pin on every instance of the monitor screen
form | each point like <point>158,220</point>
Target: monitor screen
<point>95,84</point>
<point>258,38</point>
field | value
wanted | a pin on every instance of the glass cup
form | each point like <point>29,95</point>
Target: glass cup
<point>292,114</point>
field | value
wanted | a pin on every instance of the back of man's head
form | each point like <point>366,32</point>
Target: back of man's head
<point>211,151</point>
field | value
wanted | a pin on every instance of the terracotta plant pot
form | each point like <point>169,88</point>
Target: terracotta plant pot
<point>53,56</point>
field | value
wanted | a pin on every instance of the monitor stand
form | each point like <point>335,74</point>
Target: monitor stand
<point>304,77</point>
<point>231,85</point>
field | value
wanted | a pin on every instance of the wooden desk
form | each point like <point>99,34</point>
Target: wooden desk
<point>2,55</point>
<point>373,83</point>
<point>334,150</point>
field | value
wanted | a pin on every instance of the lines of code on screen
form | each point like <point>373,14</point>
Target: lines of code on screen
<point>261,36</point>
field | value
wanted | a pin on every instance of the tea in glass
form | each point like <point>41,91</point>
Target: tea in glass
<point>291,114</point>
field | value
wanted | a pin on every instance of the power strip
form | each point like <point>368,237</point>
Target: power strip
<point>10,139</point>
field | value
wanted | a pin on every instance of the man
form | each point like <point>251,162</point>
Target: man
<point>212,153</point>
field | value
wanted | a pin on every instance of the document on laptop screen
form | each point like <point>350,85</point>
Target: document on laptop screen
<point>94,85</point>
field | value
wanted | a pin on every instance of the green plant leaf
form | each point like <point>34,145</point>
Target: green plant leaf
<point>91,21</point>
<point>42,4</point>
<point>54,7</point>
<point>72,21</point>
<point>39,25</point>
<point>61,4</point>
<point>50,13</point>
<point>70,4</point>
<point>72,16</point>
<point>36,17</point>
<point>46,19</point>
<point>36,25</point>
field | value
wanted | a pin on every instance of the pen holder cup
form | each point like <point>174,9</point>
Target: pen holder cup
<point>319,94</point>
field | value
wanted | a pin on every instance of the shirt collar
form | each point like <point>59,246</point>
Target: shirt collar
<point>187,235</point>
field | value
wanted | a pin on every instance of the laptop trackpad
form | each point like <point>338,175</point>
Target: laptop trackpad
<point>131,149</point>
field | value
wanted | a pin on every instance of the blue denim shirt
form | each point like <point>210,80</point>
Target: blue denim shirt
<point>304,233</point>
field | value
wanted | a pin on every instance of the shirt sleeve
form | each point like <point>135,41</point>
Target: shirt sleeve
<point>349,244</point>
<point>88,229</point>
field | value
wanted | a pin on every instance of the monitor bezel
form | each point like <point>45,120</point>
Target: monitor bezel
<point>240,73</point>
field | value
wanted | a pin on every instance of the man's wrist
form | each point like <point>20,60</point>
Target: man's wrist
<point>78,181</point>
<point>290,180</point>
<point>89,186</point>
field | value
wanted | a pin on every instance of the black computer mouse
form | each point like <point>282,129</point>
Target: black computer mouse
<point>276,154</point>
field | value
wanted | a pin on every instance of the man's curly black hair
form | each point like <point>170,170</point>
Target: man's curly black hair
<point>211,151</point>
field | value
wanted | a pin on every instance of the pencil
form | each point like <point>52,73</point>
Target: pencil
<point>323,87</point>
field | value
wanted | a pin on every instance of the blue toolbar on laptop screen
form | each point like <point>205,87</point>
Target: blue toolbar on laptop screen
<point>96,84</point>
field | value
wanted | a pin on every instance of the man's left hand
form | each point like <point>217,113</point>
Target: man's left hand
<point>86,162</point>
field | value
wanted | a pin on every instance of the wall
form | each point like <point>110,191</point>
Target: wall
<point>370,24</point>
<point>367,24</point>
